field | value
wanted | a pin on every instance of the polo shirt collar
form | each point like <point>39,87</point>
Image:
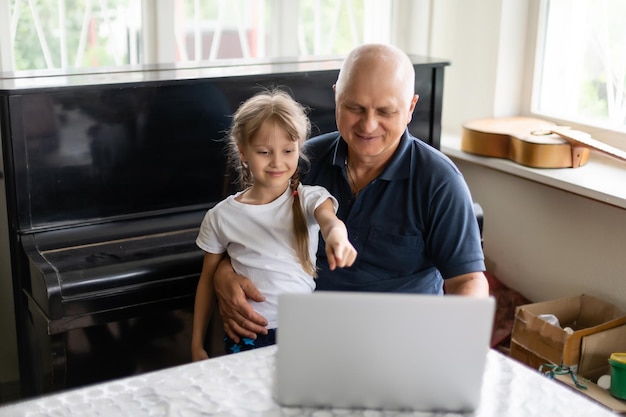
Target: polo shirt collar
<point>399,166</point>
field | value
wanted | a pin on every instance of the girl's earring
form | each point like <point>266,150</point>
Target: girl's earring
<point>245,164</point>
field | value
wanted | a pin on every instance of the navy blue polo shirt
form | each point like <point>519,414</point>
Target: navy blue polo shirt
<point>413,226</point>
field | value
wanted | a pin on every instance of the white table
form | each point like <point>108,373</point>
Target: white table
<point>241,385</point>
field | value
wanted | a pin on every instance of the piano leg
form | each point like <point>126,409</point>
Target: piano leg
<point>46,364</point>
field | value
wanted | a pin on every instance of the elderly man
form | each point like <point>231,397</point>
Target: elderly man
<point>407,208</point>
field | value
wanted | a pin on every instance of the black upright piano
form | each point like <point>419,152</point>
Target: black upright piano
<point>107,177</point>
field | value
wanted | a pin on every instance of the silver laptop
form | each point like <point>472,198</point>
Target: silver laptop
<point>382,350</point>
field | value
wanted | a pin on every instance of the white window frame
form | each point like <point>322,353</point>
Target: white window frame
<point>491,45</point>
<point>6,49</point>
<point>159,46</point>
<point>536,21</point>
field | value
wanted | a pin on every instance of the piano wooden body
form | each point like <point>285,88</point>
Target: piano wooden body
<point>107,177</point>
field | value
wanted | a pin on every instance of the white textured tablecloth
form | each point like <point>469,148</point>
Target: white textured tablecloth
<point>241,385</point>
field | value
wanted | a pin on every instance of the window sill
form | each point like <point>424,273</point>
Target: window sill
<point>603,178</point>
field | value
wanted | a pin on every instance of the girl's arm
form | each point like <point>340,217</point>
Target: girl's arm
<point>339,250</point>
<point>204,304</point>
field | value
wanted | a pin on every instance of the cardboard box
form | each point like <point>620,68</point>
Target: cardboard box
<point>594,362</point>
<point>596,349</point>
<point>535,342</point>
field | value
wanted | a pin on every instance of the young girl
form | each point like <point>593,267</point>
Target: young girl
<point>270,229</point>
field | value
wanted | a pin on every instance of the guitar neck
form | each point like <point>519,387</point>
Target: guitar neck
<point>584,139</point>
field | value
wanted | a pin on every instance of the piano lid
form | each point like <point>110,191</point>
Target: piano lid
<point>88,155</point>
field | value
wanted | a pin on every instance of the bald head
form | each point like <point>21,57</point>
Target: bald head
<point>378,61</point>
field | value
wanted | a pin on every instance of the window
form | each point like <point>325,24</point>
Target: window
<point>581,68</point>
<point>79,34</point>
<point>73,33</point>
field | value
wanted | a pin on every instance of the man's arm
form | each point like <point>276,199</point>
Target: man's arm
<point>473,284</point>
<point>233,291</point>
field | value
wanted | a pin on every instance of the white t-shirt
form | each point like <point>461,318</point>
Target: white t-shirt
<point>260,242</point>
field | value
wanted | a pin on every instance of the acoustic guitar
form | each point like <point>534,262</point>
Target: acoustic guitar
<point>532,142</point>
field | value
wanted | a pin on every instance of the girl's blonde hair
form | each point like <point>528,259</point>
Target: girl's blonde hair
<point>279,107</point>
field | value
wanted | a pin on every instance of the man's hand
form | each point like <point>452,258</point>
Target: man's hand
<point>233,291</point>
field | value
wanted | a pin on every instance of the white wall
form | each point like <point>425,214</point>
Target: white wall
<point>485,40</point>
<point>548,243</point>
